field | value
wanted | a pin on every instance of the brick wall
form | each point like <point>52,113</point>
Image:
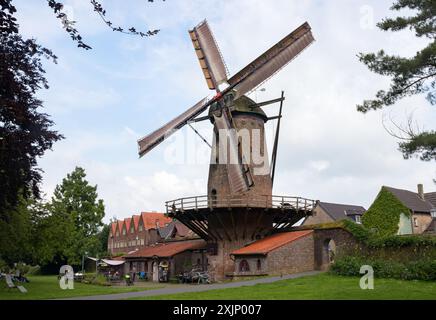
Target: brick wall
<point>423,220</point>
<point>344,243</point>
<point>295,257</point>
<point>319,216</point>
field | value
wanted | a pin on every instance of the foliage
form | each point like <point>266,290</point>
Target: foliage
<point>25,132</point>
<point>76,208</point>
<point>423,269</point>
<point>16,234</point>
<point>102,237</point>
<point>410,76</point>
<point>384,214</point>
<point>69,25</point>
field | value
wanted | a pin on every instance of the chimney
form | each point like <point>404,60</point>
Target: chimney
<point>421,191</point>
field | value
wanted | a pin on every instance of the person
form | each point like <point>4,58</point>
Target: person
<point>128,279</point>
<point>133,274</point>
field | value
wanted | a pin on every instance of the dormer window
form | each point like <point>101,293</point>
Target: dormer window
<point>358,219</point>
<point>132,229</point>
<point>124,231</point>
<point>118,233</point>
<point>140,227</point>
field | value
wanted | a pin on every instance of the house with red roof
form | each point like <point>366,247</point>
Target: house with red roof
<point>136,232</point>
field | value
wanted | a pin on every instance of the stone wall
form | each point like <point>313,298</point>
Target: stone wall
<point>237,227</point>
<point>423,221</point>
<point>344,243</point>
<point>319,216</point>
<point>295,257</point>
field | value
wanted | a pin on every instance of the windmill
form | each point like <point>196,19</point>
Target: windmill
<point>228,92</point>
<point>240,199</point>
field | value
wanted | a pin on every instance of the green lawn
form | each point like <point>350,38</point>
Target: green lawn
<point>47,287</point>
<point>322,286</point>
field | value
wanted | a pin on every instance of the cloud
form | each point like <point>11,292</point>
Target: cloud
<point>126,87</point>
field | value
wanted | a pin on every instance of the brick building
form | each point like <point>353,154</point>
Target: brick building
<point>326,212</point>
<point>171,257</point>
<point>136,232</point>
<point>294,251</point>
<point>421,206</point>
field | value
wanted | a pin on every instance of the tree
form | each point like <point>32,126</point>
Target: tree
<point>69,25</point>
<point>15,234</point>
<point>24,131</point>
<point>75,206</point>
<point>410,76</point>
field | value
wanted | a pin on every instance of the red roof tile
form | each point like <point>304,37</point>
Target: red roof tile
<point>114,227</point>
<point>136,221</point>
<point>270,243</point>
<point>168,249</point>
<point>120,226</point>
<point>127,221</point>
<point>150,218</point>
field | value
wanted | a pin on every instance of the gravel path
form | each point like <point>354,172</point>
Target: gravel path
<point>193,288</point>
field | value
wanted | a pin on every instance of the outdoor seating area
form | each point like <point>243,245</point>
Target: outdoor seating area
<point>194,277</point>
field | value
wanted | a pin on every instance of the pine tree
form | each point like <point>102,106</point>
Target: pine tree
<point>410,76</point>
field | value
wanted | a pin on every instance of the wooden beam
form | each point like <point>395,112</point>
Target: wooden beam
<point>276,141</point>
<point>266,103</point>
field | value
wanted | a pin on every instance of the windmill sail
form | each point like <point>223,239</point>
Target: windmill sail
<point>209,55</point>
<point>152,140</point>
<point>272,61</point>
<point>238,173</point>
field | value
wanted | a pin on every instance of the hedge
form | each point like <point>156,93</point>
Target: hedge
<point>424,269</point>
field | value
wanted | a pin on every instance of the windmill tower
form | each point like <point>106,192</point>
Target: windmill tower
<point>239,207</point>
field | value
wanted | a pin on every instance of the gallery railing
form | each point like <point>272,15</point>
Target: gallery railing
<point>275,202</point>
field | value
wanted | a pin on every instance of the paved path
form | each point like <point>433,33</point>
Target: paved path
<point>193,288</point>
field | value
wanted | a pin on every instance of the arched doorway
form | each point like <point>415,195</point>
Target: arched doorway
<point>155,268</point>
<point>329,253</point>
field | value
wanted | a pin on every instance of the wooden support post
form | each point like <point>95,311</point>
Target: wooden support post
<point>276,141</point>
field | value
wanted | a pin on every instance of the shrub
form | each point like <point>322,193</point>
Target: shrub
<point>424,269</point>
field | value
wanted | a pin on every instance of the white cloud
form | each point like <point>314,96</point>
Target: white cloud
<point>327,149</point>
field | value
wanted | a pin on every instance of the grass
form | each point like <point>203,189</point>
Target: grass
<point>322,287</point>
<point>47,287</point>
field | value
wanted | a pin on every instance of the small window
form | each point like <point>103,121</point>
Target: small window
<point>140,227</point>
<point>359,219</point>
<point>124,231</point>
<point>415,222</point>
<point>118,233</point>
<point>433,213</point>
<point>244,266</point>
<point>132,229</point>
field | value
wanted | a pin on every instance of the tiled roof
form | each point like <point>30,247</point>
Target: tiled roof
<point>114,227</point>
<point>127,222</point>
<point>270,243</point>
<point>150,218</point>
<point>411,200</point>
<point>176,227</point>
<point>136,221</point>
<point>168,249</point>
<point>120,226</point>
<point>341,211</point>
<point>431,197</point>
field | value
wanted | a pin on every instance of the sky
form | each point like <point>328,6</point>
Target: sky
<point>104,99</point>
